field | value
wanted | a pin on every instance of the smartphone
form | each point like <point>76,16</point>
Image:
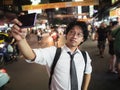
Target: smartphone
<point>27,20</point>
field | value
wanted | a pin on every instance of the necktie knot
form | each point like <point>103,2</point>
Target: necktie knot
<point>71,55</point>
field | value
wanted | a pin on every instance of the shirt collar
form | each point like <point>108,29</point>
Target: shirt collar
<point>68,50</point>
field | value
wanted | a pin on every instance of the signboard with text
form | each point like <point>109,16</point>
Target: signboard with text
<point>60,5</point>
<point>115,12</point>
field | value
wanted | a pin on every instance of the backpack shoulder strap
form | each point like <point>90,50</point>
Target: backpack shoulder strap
<point>57,55</point>
<point>85,58</point>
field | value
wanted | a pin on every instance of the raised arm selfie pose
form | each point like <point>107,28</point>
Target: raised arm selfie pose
<point>70,71</point>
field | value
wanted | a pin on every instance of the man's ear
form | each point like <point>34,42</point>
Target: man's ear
<point>82,39</point>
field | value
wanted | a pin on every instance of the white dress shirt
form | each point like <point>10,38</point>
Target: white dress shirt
<point>61,76</point>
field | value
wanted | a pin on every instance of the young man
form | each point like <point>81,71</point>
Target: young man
<point>76,33</point>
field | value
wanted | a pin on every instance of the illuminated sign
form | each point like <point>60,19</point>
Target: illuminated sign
<point>115,12</point>
<point>112,13</point>
<point>60,5</point>
<point>114,1</point>
<point>118,11</point>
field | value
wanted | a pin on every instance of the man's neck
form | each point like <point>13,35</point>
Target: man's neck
<point>73,49</point>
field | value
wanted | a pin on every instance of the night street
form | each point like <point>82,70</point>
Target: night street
<point>41,22</point>
<point>25,76</point>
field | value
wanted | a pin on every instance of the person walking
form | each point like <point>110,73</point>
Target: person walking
<point>39,35</point>
<point>116,35</point>
<point>101,35</point>
<point>112,64</point>
<point>70,58</point>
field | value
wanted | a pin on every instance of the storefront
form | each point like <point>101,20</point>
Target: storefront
<point>115,14</point>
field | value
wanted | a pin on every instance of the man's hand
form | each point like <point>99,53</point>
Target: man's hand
<point>17,32</point>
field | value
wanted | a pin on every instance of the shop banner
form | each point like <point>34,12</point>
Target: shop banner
<point>60,5</point>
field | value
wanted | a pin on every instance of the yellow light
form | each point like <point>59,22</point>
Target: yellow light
<point>56,8</point>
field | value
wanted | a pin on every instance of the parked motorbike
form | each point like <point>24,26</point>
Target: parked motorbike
<point>4,78</point>
<point>1,55</point>
<point>7,54</point>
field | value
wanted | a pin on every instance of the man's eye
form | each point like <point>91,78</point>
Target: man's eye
<point>71,32</point>
<point>80,34</point>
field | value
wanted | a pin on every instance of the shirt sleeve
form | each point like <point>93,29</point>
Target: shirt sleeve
<point>88,69</point>
<point>44,56</point>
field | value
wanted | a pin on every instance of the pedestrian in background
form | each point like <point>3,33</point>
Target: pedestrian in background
<point>116,35</point>
<point>76,33</point>
<point>112,64</point>
<point>101,35</point>
<point>55,37</point>
<point>39,35</point>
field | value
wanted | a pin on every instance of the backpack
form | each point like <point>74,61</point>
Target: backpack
<point>57,55</point>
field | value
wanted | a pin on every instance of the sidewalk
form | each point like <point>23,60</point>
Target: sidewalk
<point>100,80</point>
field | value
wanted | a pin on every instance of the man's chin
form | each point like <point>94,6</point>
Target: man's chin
<point>74,45</point>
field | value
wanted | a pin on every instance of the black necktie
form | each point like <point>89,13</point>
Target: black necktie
<point>73,75</point>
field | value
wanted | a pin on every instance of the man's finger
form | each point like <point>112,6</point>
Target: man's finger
<point>16,21</point>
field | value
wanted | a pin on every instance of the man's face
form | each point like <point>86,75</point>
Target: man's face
<point>74,37</point>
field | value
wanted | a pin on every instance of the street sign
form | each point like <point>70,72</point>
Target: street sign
<point>60,5</point>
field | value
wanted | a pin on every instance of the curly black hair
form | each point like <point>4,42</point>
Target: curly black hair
<point>81,24</point>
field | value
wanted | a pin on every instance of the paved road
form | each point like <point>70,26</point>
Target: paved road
<point>26,76</point>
